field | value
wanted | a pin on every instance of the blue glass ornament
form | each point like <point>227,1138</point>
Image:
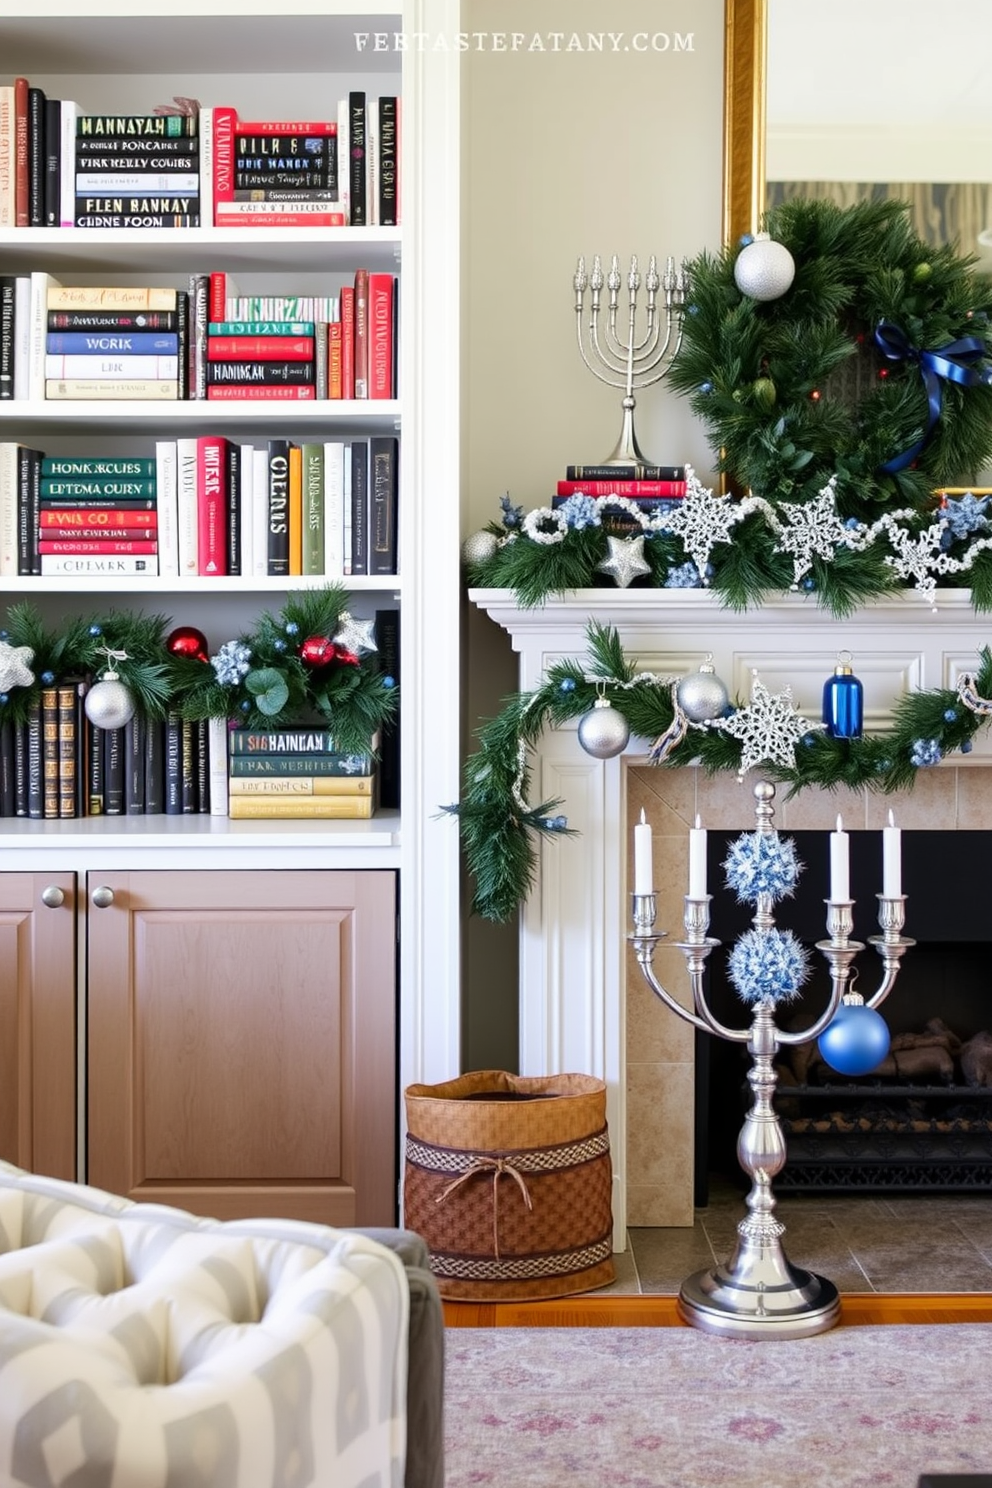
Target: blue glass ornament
<point>856,1041</point>
<point>843,701</point>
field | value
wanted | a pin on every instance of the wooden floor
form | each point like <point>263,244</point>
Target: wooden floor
<point>660,1312</point>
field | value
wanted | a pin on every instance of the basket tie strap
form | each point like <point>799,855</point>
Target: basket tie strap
<point>497,1166</point>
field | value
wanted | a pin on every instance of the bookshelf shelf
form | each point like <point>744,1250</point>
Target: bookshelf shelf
<point>268,589</point>
<point>265,415</point>
<point>172,250</point>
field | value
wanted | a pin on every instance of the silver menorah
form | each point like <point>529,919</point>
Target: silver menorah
<point>758,1292</point>
<point>633,360</point>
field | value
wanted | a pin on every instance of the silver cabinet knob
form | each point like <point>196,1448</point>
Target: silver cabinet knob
<point>102,896</point>
<point>52,896</point>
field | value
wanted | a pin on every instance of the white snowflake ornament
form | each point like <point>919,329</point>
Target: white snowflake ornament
<point>808,530</point>
<point>768,727</point>
<point>701,520</point>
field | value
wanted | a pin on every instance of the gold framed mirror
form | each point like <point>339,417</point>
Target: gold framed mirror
<point>744,79</point>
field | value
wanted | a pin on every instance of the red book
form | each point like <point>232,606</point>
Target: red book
<point>334,348</point>
<point>235,391</point>
<point>223,218</point>
<point>225,122</point>
<point>642,488</point>
<point>260,348</point>
<point>211,504</point>
<point>286,126</point>
<point>347,298</point>
<point>96,545</point>
<point>217,296</point>
<point>100,516</point>
<point>104,534</point>
<point>381,335</point>
<point>22,216</point>
<point>361,333</point>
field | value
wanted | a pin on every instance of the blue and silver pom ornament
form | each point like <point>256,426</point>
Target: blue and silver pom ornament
<point>856,1040</point>
<point>844,701</point>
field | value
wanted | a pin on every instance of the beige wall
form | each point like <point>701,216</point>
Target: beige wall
<point>565,153</point>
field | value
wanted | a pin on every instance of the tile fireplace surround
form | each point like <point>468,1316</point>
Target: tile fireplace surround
<point>583,1003</point>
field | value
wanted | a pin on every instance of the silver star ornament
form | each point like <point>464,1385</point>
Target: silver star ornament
<point>626,560</point>
<point>355,635</point>
<point>14,668</point>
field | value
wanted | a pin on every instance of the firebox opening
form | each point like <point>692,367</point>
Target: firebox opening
<point>922,1121</point>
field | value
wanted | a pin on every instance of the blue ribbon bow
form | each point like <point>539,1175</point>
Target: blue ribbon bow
<point>952,363</point>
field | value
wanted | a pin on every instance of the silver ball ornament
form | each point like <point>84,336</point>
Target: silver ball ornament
<point>765,269</point>
<point>109,704</point>
<point>479,548</point>
<point>603,732</point>
<point>702,695</point>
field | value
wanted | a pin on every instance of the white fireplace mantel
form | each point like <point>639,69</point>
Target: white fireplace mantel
<point>574,924</point>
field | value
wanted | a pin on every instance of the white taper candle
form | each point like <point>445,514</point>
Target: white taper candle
<point>891,860</point>
<point>697,861</point>
<point>643,857</point>
<point>840,865</point>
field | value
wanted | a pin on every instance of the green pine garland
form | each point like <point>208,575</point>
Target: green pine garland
<point>765,379</point>
<point>352,695</point>
<point>500,831</point>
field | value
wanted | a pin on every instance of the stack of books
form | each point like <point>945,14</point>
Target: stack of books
<point>99,342</point>
<point>247,357</point>
<point>136,170</point>
<point>650,486</point>
<point>298,773</point>
<point>274,173</point>
<point>97,516</point>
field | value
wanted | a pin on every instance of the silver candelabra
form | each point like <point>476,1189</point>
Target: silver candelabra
<point>758,1293</point>
<point>633,357</point>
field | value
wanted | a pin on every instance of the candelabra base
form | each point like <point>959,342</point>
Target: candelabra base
<point>759,1296</point>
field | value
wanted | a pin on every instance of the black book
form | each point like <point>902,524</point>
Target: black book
<point>136,126</point>
<point>8,292</point>
<point>137,146</point>
<point>113,772</point>
<point>28,506</point>
<point>356,158</point>
<point>173,740</point>
<point>359,506</point>
<point>35,794</point>
<point>285,186</point>
<point>68,714</point>
<point>134,766</point>
<point>260,374</point>
<point>83,733</point>
<point>137,219</point>
<point>388,163</point>
<point>233,508</point>
<point>387,637</point>
<point>52,190</point>
<point>20,769</point>
<point>188,762</point>
<point>384,454</point>
<point>278,548</point>
<point>7,768</point>
<point>111,320</point>
<point>201,730</point>
<point>36,157</point>
<point>95,794</point>
<point>183,339</point>
<point>624,472</point>
<point>282,150</point>
<point>198,299</point>
<point>154,767</point>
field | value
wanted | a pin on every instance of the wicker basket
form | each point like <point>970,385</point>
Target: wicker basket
<point>509,1181</point>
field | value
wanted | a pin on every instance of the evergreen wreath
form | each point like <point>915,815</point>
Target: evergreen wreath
<point>869,377</point>
<point>500,830</point>
<point>260,678</point>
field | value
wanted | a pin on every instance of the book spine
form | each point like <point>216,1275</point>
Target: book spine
<point>28,549</point>
<point>79,389</point>
<point>224,125</point>
<point>189,791</point>
<point>259,373</point>
<point>636,488</point>
<point>358,216</point>
<point>284,146</point>
<point>110,368</point>
<point>359,506</point>
<point>21,170</point>
<point>160,148</point>
<point>303,128</point>
<point>20,769</point>
<point>387,637</point>
<point>9,507</point>
<point>7,789</point>
<point>173,741</point>
<point>82,732</point>
<point>23,331</point>
<point>7,346</point>
<point>284,741</point>
<point>81,566</point>
<point>68,115</point>
<point>237,390</point>
<point>301,785</point>
<point>135,219</point>
<point>95,795</point>
<point>265,214</point>
<point>278,507</point>
<point>388,163</point>
<point>7,209</point>
<point>52,179</point>
<point>113,772</point>
<point>39,287</point>
<point>113,321</point>
<point>320,360</point>
<point>134,766</point>
<point>36,157</point>
<point>167,505</point>
<point>117,169</point>
<point>333,513</point>
<point>256,187</point>
<point>313,508</point>
<point>625,472</point>
<point>110,297</point>
<point>69,511</point>
<point>344,767</point>
<point>154,767</point>
<point>102,544</point>
<point>383,469</point>
<point>135,126</point>
<point>184,184</point>
<point>140,468</point>
<point>211,481</point>
<point>361,333</point>
<point>198,292</point>
<point>92,534</point>
<point>50,752</point>
<point>350,808</point>
<point>274,348</point>
<point>348,341</point>
<point>140,343</point>
<point>105,488</point>
<point>258,330</point>
<point>35,794</point>
<point>380,319</point>
<point>295,510</point>
<point>201,763</point>
<point>206,164</point>
<point>187,506</point>
<point>217,759</point>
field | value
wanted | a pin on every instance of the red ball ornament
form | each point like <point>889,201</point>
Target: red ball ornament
<point>348,658</point>
<point>187,641</point>
<point>318,651</point>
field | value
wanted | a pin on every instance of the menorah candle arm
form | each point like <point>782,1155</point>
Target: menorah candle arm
<point>644,946</point>
<point>891,945</point>
<point>805,1035</point>
<point>597,372</point>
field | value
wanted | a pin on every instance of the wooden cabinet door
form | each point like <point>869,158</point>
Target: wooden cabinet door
<point>242,1042</point>
<point>38,1022</point>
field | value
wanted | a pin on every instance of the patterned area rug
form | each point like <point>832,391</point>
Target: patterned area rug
<point>676,1408</point>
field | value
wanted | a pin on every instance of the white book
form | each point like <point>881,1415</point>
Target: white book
<point>37,352</point>
<point>206,128</point>
<point>247,527</point>
<point>260,513</point>
<point>334,508</point>
<point>22,334</point>
<point>346,513</point>
<point>217,765</point>
<point>372,162</point>
<point>7,180</point>
<point>126,368</point>
<point>107,184</point>
<point>69,112</point>
<point>167,505</point>
<point>344,160</point>
<point>187,507</point>
<point>8,508</point>
<point>76,566</point>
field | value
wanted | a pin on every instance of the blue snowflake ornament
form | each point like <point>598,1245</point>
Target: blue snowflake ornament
<point>580,511</point>
<point>926,752</point>
<point>768,966</point>
<point>761,863</point>
<point>231,663</point>
<point>961,518</point>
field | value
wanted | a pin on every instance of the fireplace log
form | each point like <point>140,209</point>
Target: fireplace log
<point>976,1059</point>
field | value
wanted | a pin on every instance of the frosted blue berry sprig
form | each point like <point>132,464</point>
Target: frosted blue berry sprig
<point>231,663</point>
<point>761,863</point>
<point>768,966</point>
